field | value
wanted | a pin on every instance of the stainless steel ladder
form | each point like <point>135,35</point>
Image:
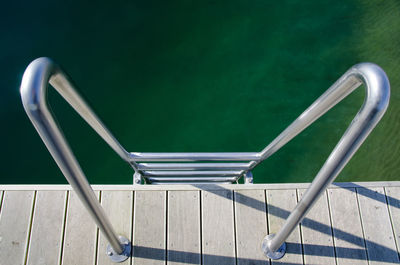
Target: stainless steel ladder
<point>188,168</point>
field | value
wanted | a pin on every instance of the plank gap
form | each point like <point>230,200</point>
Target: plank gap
<point>30,227</point>
<point>166,227</point>
<point>201,227</point>
<point>1,200</point>
<point>97,243</point>
<point>63,227</point>
<point>300,230</point>
<point>132,219</point>
<point>330,221</point>
<point>234,225</point>
<point>266,210</point>
<point>266,217</point>
<point>391,221</point>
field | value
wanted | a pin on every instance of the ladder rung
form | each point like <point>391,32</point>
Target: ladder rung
<point>146,157</point>
<point>191,183</point>
<point>185,180</point>
<point>192,173</point>
<point>193,166</point>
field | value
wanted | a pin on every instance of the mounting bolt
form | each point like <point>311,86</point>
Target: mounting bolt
<point>248,178</point>
<point>137,178</point>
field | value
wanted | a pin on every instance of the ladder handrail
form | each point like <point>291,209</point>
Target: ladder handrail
<point>375,104</point>
<point>36,78</point>
<point>44,71</point>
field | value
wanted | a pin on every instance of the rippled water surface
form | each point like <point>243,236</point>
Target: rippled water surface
<point>183,76</point>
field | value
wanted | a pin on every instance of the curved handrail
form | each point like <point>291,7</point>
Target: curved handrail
<point>36,78</point>
<point>374,106</point>
<point>43,71</point>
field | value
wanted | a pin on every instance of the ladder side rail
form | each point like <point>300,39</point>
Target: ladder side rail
<point>36,78</point>
<point>375,104</point>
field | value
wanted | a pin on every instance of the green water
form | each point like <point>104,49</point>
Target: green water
<point>216,76</point>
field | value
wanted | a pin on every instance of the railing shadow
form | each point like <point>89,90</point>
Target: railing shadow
<point>194,258</point>
<point>185,257</point>
<point>368,193</point>
<point>388,255</point>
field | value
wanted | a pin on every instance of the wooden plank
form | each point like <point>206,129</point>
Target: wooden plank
<point>271,186</point>
<point>184,227</point>
<point>393,198</point>
<point>47,228</point>
<point>379,239</point>
<point>80,233</point>
<point>15,218</point>
<point>118,208</point>
<point>251,226</point>
<point>149,233</point>
<point>347,228</point>
<point>316,233</point>
<point>280,205</point>
<point>218,239</point>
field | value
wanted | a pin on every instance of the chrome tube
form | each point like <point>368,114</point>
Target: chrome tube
<point>197,183</point>
<point>192,173</point>
<point>148,157</point>
<point>193,166</point>
<point>43,71</point>
<point>375,104</point>
<point>33,90</point>
<point>176,180</point>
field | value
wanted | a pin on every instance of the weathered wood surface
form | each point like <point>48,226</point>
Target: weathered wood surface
<point>350,224</point>
<point>47,228</point>
<point>280,204</point>
<point>218,227</point>
<point>347,227</point>
<point>378,230</point>
<point>316,233</point>
<point>183,232</point>
<point>393,197</point>
<point>149,228</point>
<point>80,236</point>
<point>251,226</point>
<point>15,218</point>
<point>118,207</point>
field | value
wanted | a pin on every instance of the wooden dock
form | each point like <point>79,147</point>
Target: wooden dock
<point>352,223</point>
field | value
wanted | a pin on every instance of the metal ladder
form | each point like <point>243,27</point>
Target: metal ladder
<point>189,168</point>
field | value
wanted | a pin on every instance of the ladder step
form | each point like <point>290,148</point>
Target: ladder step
<point>186,180</point>
<point>227,173</point>
<point>193,166</point>
<point>147,157</point>
<point>190,183</point>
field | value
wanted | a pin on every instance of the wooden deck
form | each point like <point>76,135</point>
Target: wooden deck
<point>352,223</point>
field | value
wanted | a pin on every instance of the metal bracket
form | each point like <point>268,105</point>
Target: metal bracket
<point>248,178</point>
<point>137,178</point>
<point>115,257</point>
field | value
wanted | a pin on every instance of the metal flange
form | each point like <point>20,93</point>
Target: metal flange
<point>265,246</point>
<point>115,257</point>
